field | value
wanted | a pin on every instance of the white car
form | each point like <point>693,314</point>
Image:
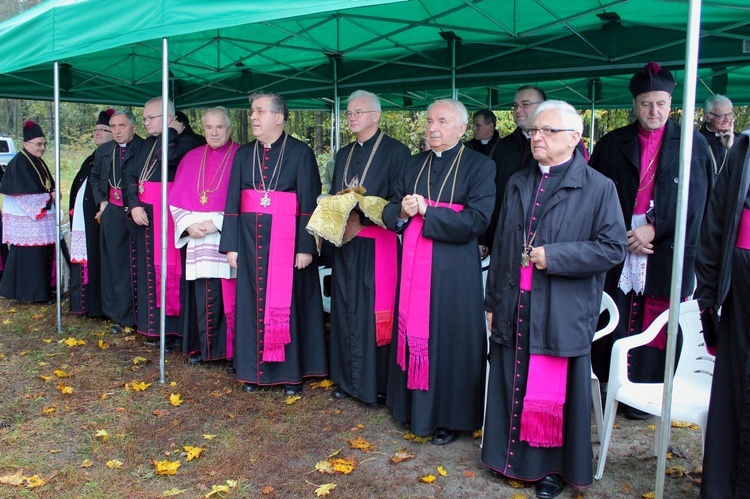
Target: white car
<point>7,150</point>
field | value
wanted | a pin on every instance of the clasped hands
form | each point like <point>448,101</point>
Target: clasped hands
<point>199,230</point>
<point>301,260</point>
<point>413,204</point>
<point>639,240</point>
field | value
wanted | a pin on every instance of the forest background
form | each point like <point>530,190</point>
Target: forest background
<point>312,126</point>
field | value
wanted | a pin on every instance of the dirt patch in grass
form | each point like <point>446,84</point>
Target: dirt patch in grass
<point>263,446</point>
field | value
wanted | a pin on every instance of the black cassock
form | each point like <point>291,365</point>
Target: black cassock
<point>458,339</point>
<point>248,234</point>
<point>85,280</point>
<point>117,252</point>
<point>144,238</point>
<point>358,365</point>
<point>722,272</point>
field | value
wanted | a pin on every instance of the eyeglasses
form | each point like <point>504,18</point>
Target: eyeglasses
<point>261,111</point>
<point>38,144</point>
<point>523,105</point>
<point>546,131</point>
<point>146,119</point>
<point>103,129</point>
<point>358,113</point>
<point>726,116</point>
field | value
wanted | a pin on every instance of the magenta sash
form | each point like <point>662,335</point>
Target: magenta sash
<point>229,299</point>
<point>113,199</point>
<point>279,278</point>
<point>743,234</point>
<point>152,195</point>
<point>542,414</point>
<point>386,279</point>
<point>414,302</point>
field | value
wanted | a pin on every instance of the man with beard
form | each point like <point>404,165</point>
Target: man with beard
<point>279,330</point>
<point>197,200</point>
<point>365,269</point>
<point>441,204</point>
<point>85,259</point>
<point>142,182</point>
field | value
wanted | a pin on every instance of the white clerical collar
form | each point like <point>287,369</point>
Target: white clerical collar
<point>485,142</point>
<point>439,154</point>
<point>546,168</point>
<point>123,145</point>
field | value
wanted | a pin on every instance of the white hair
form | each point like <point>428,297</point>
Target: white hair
<point>715,100</point>
<point>218,110</point>
<point>170,104</point>
<point>364,94</point>
<point>570,117</point>
<point>462,113</point>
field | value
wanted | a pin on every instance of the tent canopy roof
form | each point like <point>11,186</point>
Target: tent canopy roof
<point>402,50</point>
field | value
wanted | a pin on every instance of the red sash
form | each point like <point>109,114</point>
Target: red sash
<point>386,279</point>
<point>743,234</point>
<point>283,207</point>
<point>152,195</point>
<point>115,196</point>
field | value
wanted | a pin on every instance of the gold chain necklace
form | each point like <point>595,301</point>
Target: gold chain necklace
<point>200,186</point>
<point>44,180</point>
<point>456,163</point>
<point>356,182</point>
<point>148,168</point>
<point>114,182</point>
<point>646,172</point>
<point>265,201</point>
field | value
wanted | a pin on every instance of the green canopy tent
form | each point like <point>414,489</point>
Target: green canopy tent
<point>409,53</point>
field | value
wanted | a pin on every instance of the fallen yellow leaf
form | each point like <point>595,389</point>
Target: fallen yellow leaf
<point>23,352</point>
<point>325,489</point>
<point>175,399</point>
<point>139,360</point>
<point>414,438</point>
<point>324,467</point>
<point>266,490</point>
<point>60,373</point>
<point>173,492</point>
<point>45,378</point>
<point>361,444</point>
<point>192,452</point>
<point>442,471</point>
<point>207,436</point>
<point>651,427</point>
<point>34,481</point>
<point>47,340</point>
<point>65,390</point>
<point>427,479</point>
<point>115,464</point>
<point>36,317</point>
<point>103,345</point>
<point>139,386</point>
<point>48,410</point>
<point>218,489</point>
<point>401,455</point>
<point>102,435</point>
<point>292,399</point>
<point>517,484</point>
<point>6,322</point>
<point>12,310</point>
<point>41,363</point>
<point>14,479</point>
<point>87,463</point>
<point>326,383</point>
<point>172,383</point>
<point>477,434</point>
<point>344,466</point>
<point>72,342</point>
<point>675,471</point>
<point>166,467</point>
<point>649,495</point>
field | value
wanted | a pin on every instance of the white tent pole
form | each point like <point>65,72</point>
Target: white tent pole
<point>163,211</point>
<point>453,68</point>
<point>686,149</point>
<point>58,253</point>
<point>592,124</point>
<point>336,108</point>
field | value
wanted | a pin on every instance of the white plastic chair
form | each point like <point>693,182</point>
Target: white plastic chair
<point>608,304</point>
<point>692,379</point>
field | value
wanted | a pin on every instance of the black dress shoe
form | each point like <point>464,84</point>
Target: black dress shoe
<point>338,393</point>
<point>379,402</point>
<point>496,474</point>
<point>249,387</point>
<point>116,329</point>
<point>444,436</point>
<point>195,359</point>
<point>230,367</point>
<point>549,487</point>
<point>292,390</point>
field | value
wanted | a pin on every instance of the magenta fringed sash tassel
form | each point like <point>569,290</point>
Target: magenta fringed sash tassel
<point>279,279</point>
<point>386,280</point>
<point>229,300</point>
<point>414,302</point>
<point>542,414</point>
<point>152,195</point>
